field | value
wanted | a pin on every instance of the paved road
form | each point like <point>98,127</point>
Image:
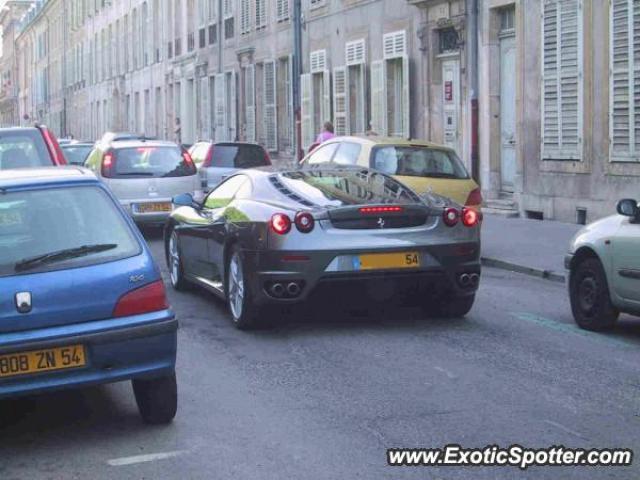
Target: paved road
<point>324,397</point>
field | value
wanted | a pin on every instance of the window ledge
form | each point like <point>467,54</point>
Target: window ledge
<point>625,168</point>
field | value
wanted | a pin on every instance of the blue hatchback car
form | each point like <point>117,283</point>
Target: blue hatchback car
<point>82,301</point>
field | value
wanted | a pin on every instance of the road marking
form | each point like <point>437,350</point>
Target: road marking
<point>449,374</point>
<point>566,429</point>
<point>569,328</point>
<point>150,457</point>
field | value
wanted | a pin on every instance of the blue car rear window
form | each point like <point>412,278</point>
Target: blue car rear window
<point>39,222</point>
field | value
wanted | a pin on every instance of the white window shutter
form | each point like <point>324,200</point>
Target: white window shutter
<point>326,97</point>
<point>550,94</point>
<point>394,44</point>
<point>290,115</point>
<point>270,106</point>
<point>318,61</point>
<point>245,19</point>
<point>361,101</point>
<point>379,97</point>
<point>232,121</point>
<point>282,10</point>
<point>340,101</point>
<point>406,103</point>
<point>562,79</point>
<point>220,113</point>
<point>624,101</point>
<point>261,13</point>
<point>306,110</point>
<point>250,102</point>
<point>355,52</point>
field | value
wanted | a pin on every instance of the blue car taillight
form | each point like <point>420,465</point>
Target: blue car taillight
<point>150,298</point>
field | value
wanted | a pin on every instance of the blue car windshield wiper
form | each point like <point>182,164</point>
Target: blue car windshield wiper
<point>60,255</point>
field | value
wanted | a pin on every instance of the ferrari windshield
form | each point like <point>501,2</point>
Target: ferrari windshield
<point>337,188</point>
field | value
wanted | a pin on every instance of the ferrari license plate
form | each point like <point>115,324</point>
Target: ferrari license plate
<point>22,363</point>
<point>153,207</point>
<point>382,261</point>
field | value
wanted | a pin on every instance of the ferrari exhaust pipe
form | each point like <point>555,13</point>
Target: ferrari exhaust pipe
<point>277,290</point>
<point>293,289</point>
<point>474,279</point>
<point>465,280</point>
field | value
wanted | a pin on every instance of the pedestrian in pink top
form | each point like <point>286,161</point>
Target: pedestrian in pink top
<point>326,134</point>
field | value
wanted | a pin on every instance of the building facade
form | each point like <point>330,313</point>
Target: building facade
<point>560,105</point>
<point>11,12</point>
<point>189,70</point>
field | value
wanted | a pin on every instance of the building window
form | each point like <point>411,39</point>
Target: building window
<point>316,97</point>
<point>390,107</point>
<point>202,38</point>
<point>449,40</point>
<point>282,10</point>
<point>562,89</point>
<point>624,78</point>
<point>316,3</point>
<point>228,28</point>
<point>213,34</point>
<point>508,19</point>
<point>245,17</point>
<point>261,14</point>
<point>191,42</point>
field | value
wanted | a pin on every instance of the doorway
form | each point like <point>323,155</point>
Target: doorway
<point>507,100</point>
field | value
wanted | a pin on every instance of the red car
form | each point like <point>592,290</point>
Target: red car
<point>29,147</point>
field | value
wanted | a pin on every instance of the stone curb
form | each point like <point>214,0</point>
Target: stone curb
<point>514,267</point>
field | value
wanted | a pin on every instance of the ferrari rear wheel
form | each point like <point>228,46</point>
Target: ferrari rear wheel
<point>244,313</point>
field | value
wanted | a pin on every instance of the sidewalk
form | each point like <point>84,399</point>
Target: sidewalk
<point>533,247</point>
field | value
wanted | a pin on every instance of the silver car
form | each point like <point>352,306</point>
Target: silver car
<point>145,176</point>
<point>604,269</point>
<point>217,161</point>
<point>276,237</point>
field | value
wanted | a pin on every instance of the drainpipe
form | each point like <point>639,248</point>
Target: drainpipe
<point>221,34</point>
<point>297,71</point>
<point>65,30</point>
<point>472,69</point>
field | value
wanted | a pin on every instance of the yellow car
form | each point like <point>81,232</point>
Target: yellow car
<point>421,165</point>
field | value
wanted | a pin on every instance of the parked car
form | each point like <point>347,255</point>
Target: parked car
<point>269,237</point>
<point>28,147</point>
<point>217,161</point>
<point>423,166</point>
<point>81,300</point>
<point>109,137</point>
<point>76,153</point>
<point>604,269</point>
<point>144,176</point>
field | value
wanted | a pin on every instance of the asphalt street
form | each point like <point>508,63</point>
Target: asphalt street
<point>323,394</point>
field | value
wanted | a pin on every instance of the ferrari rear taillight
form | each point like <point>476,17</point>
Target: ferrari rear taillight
<point>147,299</point>
<point>108,164</point>
<point>379,210</point>
<point>304,222</point>
<point>281,223</point>
<point>475,197</point>
<point>451,216</point>
<point>470,217</point>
